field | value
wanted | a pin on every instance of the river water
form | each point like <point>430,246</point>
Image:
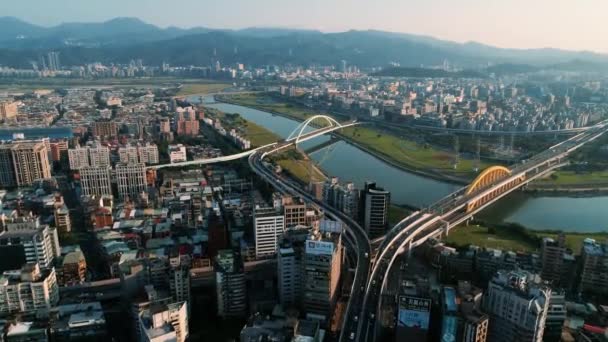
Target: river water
<point>349,163</point>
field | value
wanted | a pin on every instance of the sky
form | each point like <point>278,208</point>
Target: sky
<point>566,24</point>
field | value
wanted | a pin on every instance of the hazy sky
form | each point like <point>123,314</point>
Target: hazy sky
<point>568,24</point>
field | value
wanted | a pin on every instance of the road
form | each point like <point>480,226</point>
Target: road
<point>353,231</point>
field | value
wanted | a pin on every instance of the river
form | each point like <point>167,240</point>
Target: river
<point>349,163</point>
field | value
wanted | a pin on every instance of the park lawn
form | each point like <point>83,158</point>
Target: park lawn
<point>574,178</point>
<point>396,214</point>
<point>201,88</point>
<point>299,169</point>
<point>504,239</point>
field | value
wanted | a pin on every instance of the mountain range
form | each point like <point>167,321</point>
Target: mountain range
<point>121,39</point>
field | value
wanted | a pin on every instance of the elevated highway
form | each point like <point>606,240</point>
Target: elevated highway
<point>490,186</point>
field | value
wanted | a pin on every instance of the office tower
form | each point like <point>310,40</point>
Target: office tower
<point>104,129</point>
<point>128,154</point>
<point>73,269</point>
<point>96,181</point>
<point>30,162</point>
<point>517,304</point>
<point>594,272</point>
<point>28,290</point>
<point>148,153</point>
<point>179,279</point>
<point>62,219</point>
<point>164,322</point>
<point>552,257</point>
<point>268,225</point>
<point>8,110</point>
<point>99,155</point>
<point>131,179</point>
<point>295,211</point>
<point>230,284</point>
<point>28,241</point>
<point>7,171</point>
<point>322,264</point>
<point>375,202</point>
<point>556,315</point>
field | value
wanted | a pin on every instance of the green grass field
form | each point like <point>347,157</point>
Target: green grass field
<point>398,149</point>
<point>479,236</point>
<point>201,88</point>
<point>570,178</point>
<point>396,214</point>
<point>300,169</point>
<point>510,239</point>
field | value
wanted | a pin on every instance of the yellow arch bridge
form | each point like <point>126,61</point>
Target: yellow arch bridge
<point>487,178</point>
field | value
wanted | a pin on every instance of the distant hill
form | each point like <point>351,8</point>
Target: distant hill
<point>122,39</point>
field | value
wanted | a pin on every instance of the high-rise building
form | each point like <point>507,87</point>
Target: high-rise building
<point>99,155</point>
<point>290,271</point>
<point>28,290</point>
<point>62,219</point>
<point>96,181</point>
<point>7,170</point>
<point>594,271</point>
<point>148,153</point>
<point>131,179</point>
<point>164,322</point>
<point>230,284</point>
<point>78,158</point>
<point>556,315</point>
<point>104,129</point>
<point>59,149</point>
<point>53,61</point>
<point>28,241</point>
<point>128,154</point>
<point>375,202</point>
<point>94,155</point>
<point>269,224</point>
<point>8,110</point>
<point>552,257</point>
<point>295,211</point>
<point>322,265</point>
<point>30,162</point>
<point>517,304</point>
<point>179,279</point>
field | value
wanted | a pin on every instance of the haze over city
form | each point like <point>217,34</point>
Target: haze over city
<point>573,25</point>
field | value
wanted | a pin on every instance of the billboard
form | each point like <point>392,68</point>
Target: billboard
<point>319,247</point>
<point>413,318</point>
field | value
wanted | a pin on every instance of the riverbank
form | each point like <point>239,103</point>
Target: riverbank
<point>407,156</point>
<point>399,164</point>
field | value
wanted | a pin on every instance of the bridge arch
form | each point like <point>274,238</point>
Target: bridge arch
<point>486,178</point>
<point>299,130</point>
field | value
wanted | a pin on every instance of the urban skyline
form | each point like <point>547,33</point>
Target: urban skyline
<point>514,24</point>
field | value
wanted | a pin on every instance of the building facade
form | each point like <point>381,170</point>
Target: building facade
<point>131,179</point>
<point>269,224</point>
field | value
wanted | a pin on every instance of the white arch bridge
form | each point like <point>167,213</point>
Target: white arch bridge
<point>324,124</point>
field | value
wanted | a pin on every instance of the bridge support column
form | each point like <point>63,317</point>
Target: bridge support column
<point>409,249</point>
<point>446,228</point>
